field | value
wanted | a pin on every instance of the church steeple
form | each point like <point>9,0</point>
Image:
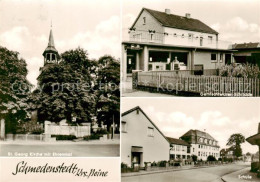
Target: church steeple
<point>50,54</point>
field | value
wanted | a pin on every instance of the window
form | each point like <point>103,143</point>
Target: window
<point>221,57</point>
<point>182,35</point>
<point>199,154</point>
<point>48,57</point>
<point>144,22</point>
<point>213,57</point>
<point>124,129</point>
<point>193,149</point>
<point>190,37</point>
<point>151,36</point>
<point>201,41</point>
<point>150,132</point>
<point>210,39</point>
<point>53,57</point>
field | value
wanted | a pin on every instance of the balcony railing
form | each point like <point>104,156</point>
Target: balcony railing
<point>177,40</point>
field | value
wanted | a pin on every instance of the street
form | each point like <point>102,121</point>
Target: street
<point>210,174</point>
<point>60,150</point>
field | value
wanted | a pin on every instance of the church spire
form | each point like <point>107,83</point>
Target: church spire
<point>51,40</point>
<point>50,54</point>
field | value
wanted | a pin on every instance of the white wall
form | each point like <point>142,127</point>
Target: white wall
<point>154,148</point>
<point>209,150</point>
<point>182,151</point>
<point>205,59</point>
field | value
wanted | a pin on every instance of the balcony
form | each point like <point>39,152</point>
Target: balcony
<point>176,40</point>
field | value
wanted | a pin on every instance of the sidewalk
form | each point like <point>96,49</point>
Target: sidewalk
<point>243,175</point>
<point>143,172</point>
<point>91,142</point>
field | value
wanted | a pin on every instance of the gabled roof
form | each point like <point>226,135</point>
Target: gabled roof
<point>177,141</point>
<point>249,45</point>
<point>138,108</point>
<point>179,22</point>
<point>199,134</point>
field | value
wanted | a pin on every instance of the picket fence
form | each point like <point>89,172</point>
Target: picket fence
<point>203,85</point>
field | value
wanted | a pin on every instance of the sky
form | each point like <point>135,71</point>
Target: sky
<point>92,25</point>
<point>220,117</point>
<point>237,21</point>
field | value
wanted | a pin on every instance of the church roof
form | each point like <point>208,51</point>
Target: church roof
<point>51,46</point>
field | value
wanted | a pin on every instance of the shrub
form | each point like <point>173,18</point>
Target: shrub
<point>194,158</point>
<point>124,165</point>
<point>245,70</point>
<point>64,137</point>
<point>211,158</point>
<point>177,164</point>
<point>37,131</point>
<point>254,166</point>
<point>162,163</point>
<point>102,131</point>
<point>154,163</point>
<point>93,136</point>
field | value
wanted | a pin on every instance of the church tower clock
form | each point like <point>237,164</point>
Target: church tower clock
<point>50,54</point>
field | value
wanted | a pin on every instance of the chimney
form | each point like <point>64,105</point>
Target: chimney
<point>187,15</point>
<point>168,11</point>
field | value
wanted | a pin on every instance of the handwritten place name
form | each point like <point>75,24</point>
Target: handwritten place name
<point>38,154</point>
<point>23,168</point>
<point>244,177</point>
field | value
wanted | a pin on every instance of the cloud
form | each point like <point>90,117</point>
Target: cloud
<point>238,30</point>
<point>105,39</point>
<point>14,39</point>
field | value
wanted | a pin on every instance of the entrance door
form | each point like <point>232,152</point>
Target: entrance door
<point>136,158</point>
<point>228,58</point>
<point>131,61</point>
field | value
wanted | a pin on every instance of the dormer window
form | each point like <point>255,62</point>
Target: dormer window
<point>144,20</point>
<point>190,37</point>
<point>175,35</point>
<point>182,35</point>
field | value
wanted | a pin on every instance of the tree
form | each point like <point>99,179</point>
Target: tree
<point>235,142</point>
<point>66,89</point>
<point>108,92</point>
<point>14,90</point>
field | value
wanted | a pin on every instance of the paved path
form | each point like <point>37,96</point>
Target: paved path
<point>209,174</point>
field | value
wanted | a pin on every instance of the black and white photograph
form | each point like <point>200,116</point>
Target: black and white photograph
<point>60,75</point>
<point>168,139</point>
<point>190,48</point>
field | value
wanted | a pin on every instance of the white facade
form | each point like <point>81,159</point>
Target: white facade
<point>179,152</point>
<point>203,151</point>
<point>141,140</point>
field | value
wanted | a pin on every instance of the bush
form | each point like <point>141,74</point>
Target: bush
<point>123,165</point>
<point>254,166</point>
<point>37,131</point>
<point>162,163</point>
<point>211,158</point>
<point>245,70</point>
<point>154,163</point>
<point>64,137</point>
<point>102,131</point>
<point>93,136</point>
<point>194,158</point>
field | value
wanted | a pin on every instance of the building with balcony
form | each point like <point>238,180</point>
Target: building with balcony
<point>180,150</point>
<point>159,39</point>
<point>141,141</point>
<point>202,144</point>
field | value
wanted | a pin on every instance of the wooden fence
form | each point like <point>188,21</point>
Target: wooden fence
<point>203,85</point>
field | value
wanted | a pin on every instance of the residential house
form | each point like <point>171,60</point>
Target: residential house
<point>247,53</point>
<point>202,144</point>
<point>227,153</point>
<point>179,149</point>
<point>158,40</point>
<point>142,141</point>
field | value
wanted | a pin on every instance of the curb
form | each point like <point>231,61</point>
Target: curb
<point>171,170</point>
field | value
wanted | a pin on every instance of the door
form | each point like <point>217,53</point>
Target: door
<point>131,61</point>
<point>136,158</point>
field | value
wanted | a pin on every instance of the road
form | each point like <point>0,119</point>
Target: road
<point>64,150</point>
<point>210,174</point>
